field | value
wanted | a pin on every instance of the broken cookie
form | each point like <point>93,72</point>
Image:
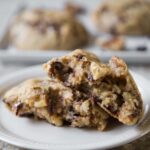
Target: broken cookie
<point>127,17</point>
<point>111,86</point>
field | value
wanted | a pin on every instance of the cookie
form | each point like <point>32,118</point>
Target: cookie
<point>110,85</point>
<point>39,29</point>
<point>59,105</point>
<point>127,17</point>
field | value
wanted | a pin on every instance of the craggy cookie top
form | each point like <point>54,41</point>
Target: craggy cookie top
<point>47,29</point>
<point>123,17</point>
<point>109,85</point>
<point>74,68</point>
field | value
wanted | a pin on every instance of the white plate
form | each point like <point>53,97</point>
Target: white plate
<point>39,135</point>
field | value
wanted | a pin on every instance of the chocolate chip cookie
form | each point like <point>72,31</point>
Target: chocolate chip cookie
<point>59,105</point>
<point>111,86</point>
<point>40,29</point>
<point>128,17</point>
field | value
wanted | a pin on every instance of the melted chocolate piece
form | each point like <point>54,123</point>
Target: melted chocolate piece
<point>58,66</point>
<point>67,123</point>
<point>96,99</point>
<point>53,101</point>
<point>135,114</point>
<point>61,71</point>
<point>17,107</point>
<point>79,57</point>
<point>111,109</point>
<point>30,115</point>
<point>120,100</point>
<point>84,88</point>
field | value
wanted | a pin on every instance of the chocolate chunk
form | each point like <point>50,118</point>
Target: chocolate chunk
<point>67,122</point>
<point>17,107</point>
<point>136,113</point>
<point>79,57</point>
<point>70,108</point>
<point>120,82</point>
<point>58,66</point>
<point>111,109</point>
<point>61,71</point>
<point>113,30</point>
<point>120,100</point>
<point>76,115</point>
<point>69,70</point>
<point>97,99</point>
<point>85,88</point>
<point>52,102</point>
<point>30,115</point>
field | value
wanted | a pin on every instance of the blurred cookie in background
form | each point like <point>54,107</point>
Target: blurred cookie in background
<point>40,29</point>
<point>128,17</point>
<point>113,43</point>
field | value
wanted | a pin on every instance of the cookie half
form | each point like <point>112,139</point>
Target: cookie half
<point>110,85</point>
<point>59,105</point>
<point>127,17</point>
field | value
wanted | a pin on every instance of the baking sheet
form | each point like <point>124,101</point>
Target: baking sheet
<point>10,54</point>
